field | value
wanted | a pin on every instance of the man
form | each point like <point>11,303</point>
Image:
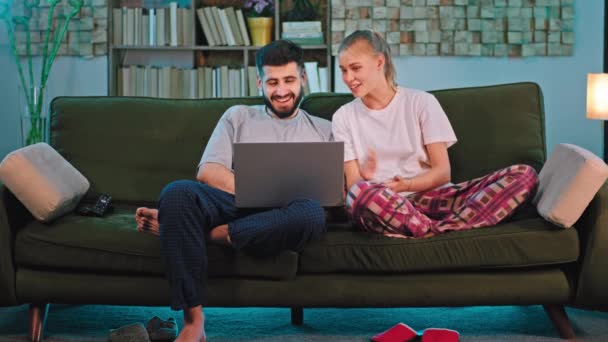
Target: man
<point>190,212</point>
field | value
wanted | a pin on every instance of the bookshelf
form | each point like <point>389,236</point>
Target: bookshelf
<point>136,60</point>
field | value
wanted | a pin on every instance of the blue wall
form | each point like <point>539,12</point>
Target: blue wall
<point>563,80</point>
<point>69,76</point>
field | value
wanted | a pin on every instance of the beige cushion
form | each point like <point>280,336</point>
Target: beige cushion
<point>46,184</point>
<point>567,183</point>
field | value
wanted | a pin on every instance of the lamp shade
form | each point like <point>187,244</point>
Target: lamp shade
<point>597,96</point>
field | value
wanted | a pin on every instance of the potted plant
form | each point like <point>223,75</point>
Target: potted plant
<point>302,10</point>
<point>259,19</point>
<point>33,119</point>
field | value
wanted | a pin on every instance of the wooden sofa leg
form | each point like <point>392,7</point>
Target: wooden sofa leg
<point>560,320</point>
<point>297,315</point>
<point>38,313</point>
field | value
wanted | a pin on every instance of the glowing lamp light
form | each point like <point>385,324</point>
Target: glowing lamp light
<point>597,96</point>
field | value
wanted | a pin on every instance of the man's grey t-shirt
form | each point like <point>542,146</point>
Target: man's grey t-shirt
<point>253,124</point>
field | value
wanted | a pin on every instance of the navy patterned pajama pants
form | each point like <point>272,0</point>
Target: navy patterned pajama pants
<point>189,210</point>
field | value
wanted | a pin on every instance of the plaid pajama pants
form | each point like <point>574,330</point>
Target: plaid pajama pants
<point>480,202</point>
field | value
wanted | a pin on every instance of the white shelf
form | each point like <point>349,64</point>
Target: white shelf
<point>183,56</point>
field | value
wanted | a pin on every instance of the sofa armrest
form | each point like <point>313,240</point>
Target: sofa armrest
<point>593,234</point>
<point>13,215</point>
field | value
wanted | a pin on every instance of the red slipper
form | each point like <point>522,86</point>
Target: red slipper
<point>401,332</point>
<point>440,335</point>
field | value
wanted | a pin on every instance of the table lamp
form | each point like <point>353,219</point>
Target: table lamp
<point>597,102</point>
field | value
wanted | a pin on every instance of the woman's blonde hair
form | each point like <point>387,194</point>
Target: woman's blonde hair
<point>378,44</point>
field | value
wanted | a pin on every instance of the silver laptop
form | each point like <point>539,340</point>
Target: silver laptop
<point>274,174</point>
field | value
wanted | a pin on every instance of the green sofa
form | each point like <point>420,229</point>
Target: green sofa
<point>132,147</point>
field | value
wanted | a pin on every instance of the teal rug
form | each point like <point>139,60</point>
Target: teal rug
<point>509,323</point>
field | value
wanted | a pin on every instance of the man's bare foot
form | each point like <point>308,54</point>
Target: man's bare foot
<point>191,333</point>
<point>220,235</point>
<point>147,220</point>
<point>194,326</point>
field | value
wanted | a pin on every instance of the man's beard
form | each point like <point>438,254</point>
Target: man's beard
<point>286,113</point>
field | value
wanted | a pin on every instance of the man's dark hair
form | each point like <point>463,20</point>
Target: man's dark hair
<point>277,53</point>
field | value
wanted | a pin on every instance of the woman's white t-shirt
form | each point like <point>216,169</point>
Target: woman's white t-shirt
<point>396,133</point>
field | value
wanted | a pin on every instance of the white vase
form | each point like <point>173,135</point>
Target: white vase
<point>33,116</point>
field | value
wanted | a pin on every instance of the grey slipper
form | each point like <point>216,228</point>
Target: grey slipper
<point>135,332</point>
<point>162,330</point>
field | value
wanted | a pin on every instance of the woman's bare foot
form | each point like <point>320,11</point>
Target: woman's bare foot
<point>194,326</point>
<point>147,220</point>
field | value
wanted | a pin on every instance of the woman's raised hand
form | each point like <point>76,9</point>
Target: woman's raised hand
<point>369,165</point>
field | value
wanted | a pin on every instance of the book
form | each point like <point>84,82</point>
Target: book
<point>212,25</point>
<point>252,74</point>
<point>167,27</point>
<point>243,27</point>
<point>231,83</point>
<point>226,27</point>
<point>140,85</point>
<point>306,88</point>
<point>193,83</point>
<point>181,21</point>
<point>160,27</point>
<point>202,19</point>
<point>119,82</point>
<point>176,81</point>
<point>312,74</point>
<point>126,81</point>
<point>298,34</point>
<point>234,25</point>
<point>125,26</point>
<point>145,30</point>
<point>153,82</point>
<point>236,82</point>
<point>243,90</point>
<point>132,80</point>
<point>313,26</point>
<point>200,80</point>
<point>218,25</point>
<point>188,27</point>
<point>224,81</point>
<point>216,82</point>
<point>323,79</point>
<point>152,27</point>
<point>308,41</point>
<point>190,84</point>
<point>137,18</point>
<point>145,71</point>
<point>173,23</point>
<point>117,26</point>
<point>164,82</point>
<point>208,82</point>
<point>130,27</point>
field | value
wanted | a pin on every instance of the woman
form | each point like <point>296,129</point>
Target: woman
<point>396,161</point>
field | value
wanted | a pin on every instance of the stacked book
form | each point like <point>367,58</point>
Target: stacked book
<point>303,32</point>
<point>316,78</point>
<point>223,26</point>
<point>167,26</point>
<point>197,83</point>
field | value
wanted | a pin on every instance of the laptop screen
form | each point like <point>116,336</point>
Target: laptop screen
<point>274,174</point>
